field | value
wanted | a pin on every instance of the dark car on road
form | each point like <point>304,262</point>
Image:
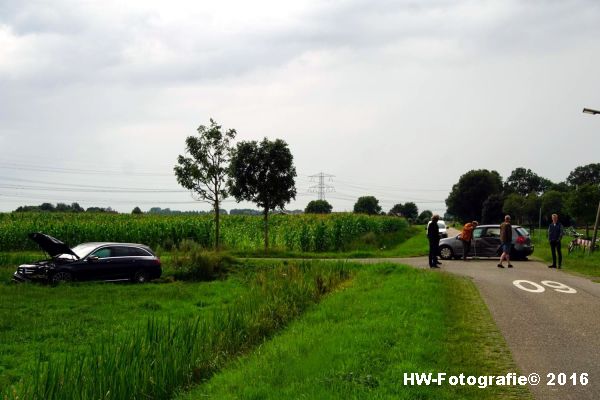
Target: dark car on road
<point>104,261</point>
<point>486,243</point>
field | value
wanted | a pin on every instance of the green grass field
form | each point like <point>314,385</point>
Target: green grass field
<point>70,318</point>
<point>359,342</point>
<point>114,341</point>
<point>580,261</point>
<point>144,341</point>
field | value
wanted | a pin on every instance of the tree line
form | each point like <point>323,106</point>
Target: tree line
<point>63,207</point>
<point>482,195</point>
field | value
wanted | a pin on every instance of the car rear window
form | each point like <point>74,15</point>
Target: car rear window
<point>522,231</point>
<point>136,251</point>
<point>126,251</point>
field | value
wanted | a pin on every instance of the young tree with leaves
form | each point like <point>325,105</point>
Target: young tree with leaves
<point>263,173</point>
<point>204,168</point>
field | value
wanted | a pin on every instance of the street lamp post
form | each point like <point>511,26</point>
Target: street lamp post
<point>595,228</point>
<point>594,112</point>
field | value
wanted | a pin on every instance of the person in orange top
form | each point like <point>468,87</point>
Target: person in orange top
<point>466,235</point>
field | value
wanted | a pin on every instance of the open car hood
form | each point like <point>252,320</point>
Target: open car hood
<point>50,245</point>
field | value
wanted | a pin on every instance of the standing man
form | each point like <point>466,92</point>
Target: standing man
<point>466,235</point>
<point>433,234</point>
<point>555,234</point>
<point>506,240</point>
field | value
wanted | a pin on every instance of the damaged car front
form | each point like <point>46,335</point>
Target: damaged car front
<point>44,270</point>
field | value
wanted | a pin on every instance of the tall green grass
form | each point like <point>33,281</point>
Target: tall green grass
<point>304,233</point>
<point>154,360</point>
<point>358,343</point>
<point>39,321</point>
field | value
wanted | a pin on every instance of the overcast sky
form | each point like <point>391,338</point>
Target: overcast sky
<point>396,99</point>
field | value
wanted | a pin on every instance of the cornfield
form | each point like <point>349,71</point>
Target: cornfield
<point>308,232</point>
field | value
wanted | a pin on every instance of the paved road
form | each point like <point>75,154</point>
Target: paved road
<point>547,331</point>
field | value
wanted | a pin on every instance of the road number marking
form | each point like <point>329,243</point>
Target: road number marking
<point>533,287</point>
<point>536,288</point>
<point>559,287</point>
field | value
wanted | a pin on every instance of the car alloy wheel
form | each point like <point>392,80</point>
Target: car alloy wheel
<point>446,253</point>
<point>62,277</point>
<point>140,277</point>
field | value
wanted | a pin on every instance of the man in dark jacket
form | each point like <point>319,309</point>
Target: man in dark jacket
<point>506,240</point>
<point>555,233</point>
<point>433,234</point>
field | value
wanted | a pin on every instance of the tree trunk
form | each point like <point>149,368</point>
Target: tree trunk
<point>266,213</point>
<point>217,247</point>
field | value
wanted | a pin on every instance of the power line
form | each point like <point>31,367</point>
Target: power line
<point>87,190</point>
<point>36,168</point>
<point>97,200</point>
<point>390,188</point>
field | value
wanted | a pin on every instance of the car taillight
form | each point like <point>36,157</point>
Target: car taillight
<point>521,240</point>
<point>157,261</point>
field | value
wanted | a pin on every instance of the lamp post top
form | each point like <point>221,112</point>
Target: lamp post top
<point>590,111</point>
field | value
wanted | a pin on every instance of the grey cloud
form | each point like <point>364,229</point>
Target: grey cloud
<point>39,17</point>
<point>108,83</point>
<point>91,50</point>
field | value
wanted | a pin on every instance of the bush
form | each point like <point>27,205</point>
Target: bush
<point>192,263</point>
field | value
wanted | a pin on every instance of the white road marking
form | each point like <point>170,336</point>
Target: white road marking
<point>537,288</point>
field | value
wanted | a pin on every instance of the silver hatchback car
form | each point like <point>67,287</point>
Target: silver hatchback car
<point>486,243</point>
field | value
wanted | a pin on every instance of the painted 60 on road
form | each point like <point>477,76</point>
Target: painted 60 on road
<point>533,287</point>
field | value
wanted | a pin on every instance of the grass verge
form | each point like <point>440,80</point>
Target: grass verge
<point>579,261</point>
<point>359,342</point>
<point>146,357</point>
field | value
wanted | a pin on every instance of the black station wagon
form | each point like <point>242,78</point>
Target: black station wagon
<point>103,261</point>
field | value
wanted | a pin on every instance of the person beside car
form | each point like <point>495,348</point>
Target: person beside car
<point>555,234</point>
<point>506,240</point>
<point>433,234</point>
<point>466,236</point>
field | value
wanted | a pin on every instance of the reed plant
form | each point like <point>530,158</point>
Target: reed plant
<point>163,356</point>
